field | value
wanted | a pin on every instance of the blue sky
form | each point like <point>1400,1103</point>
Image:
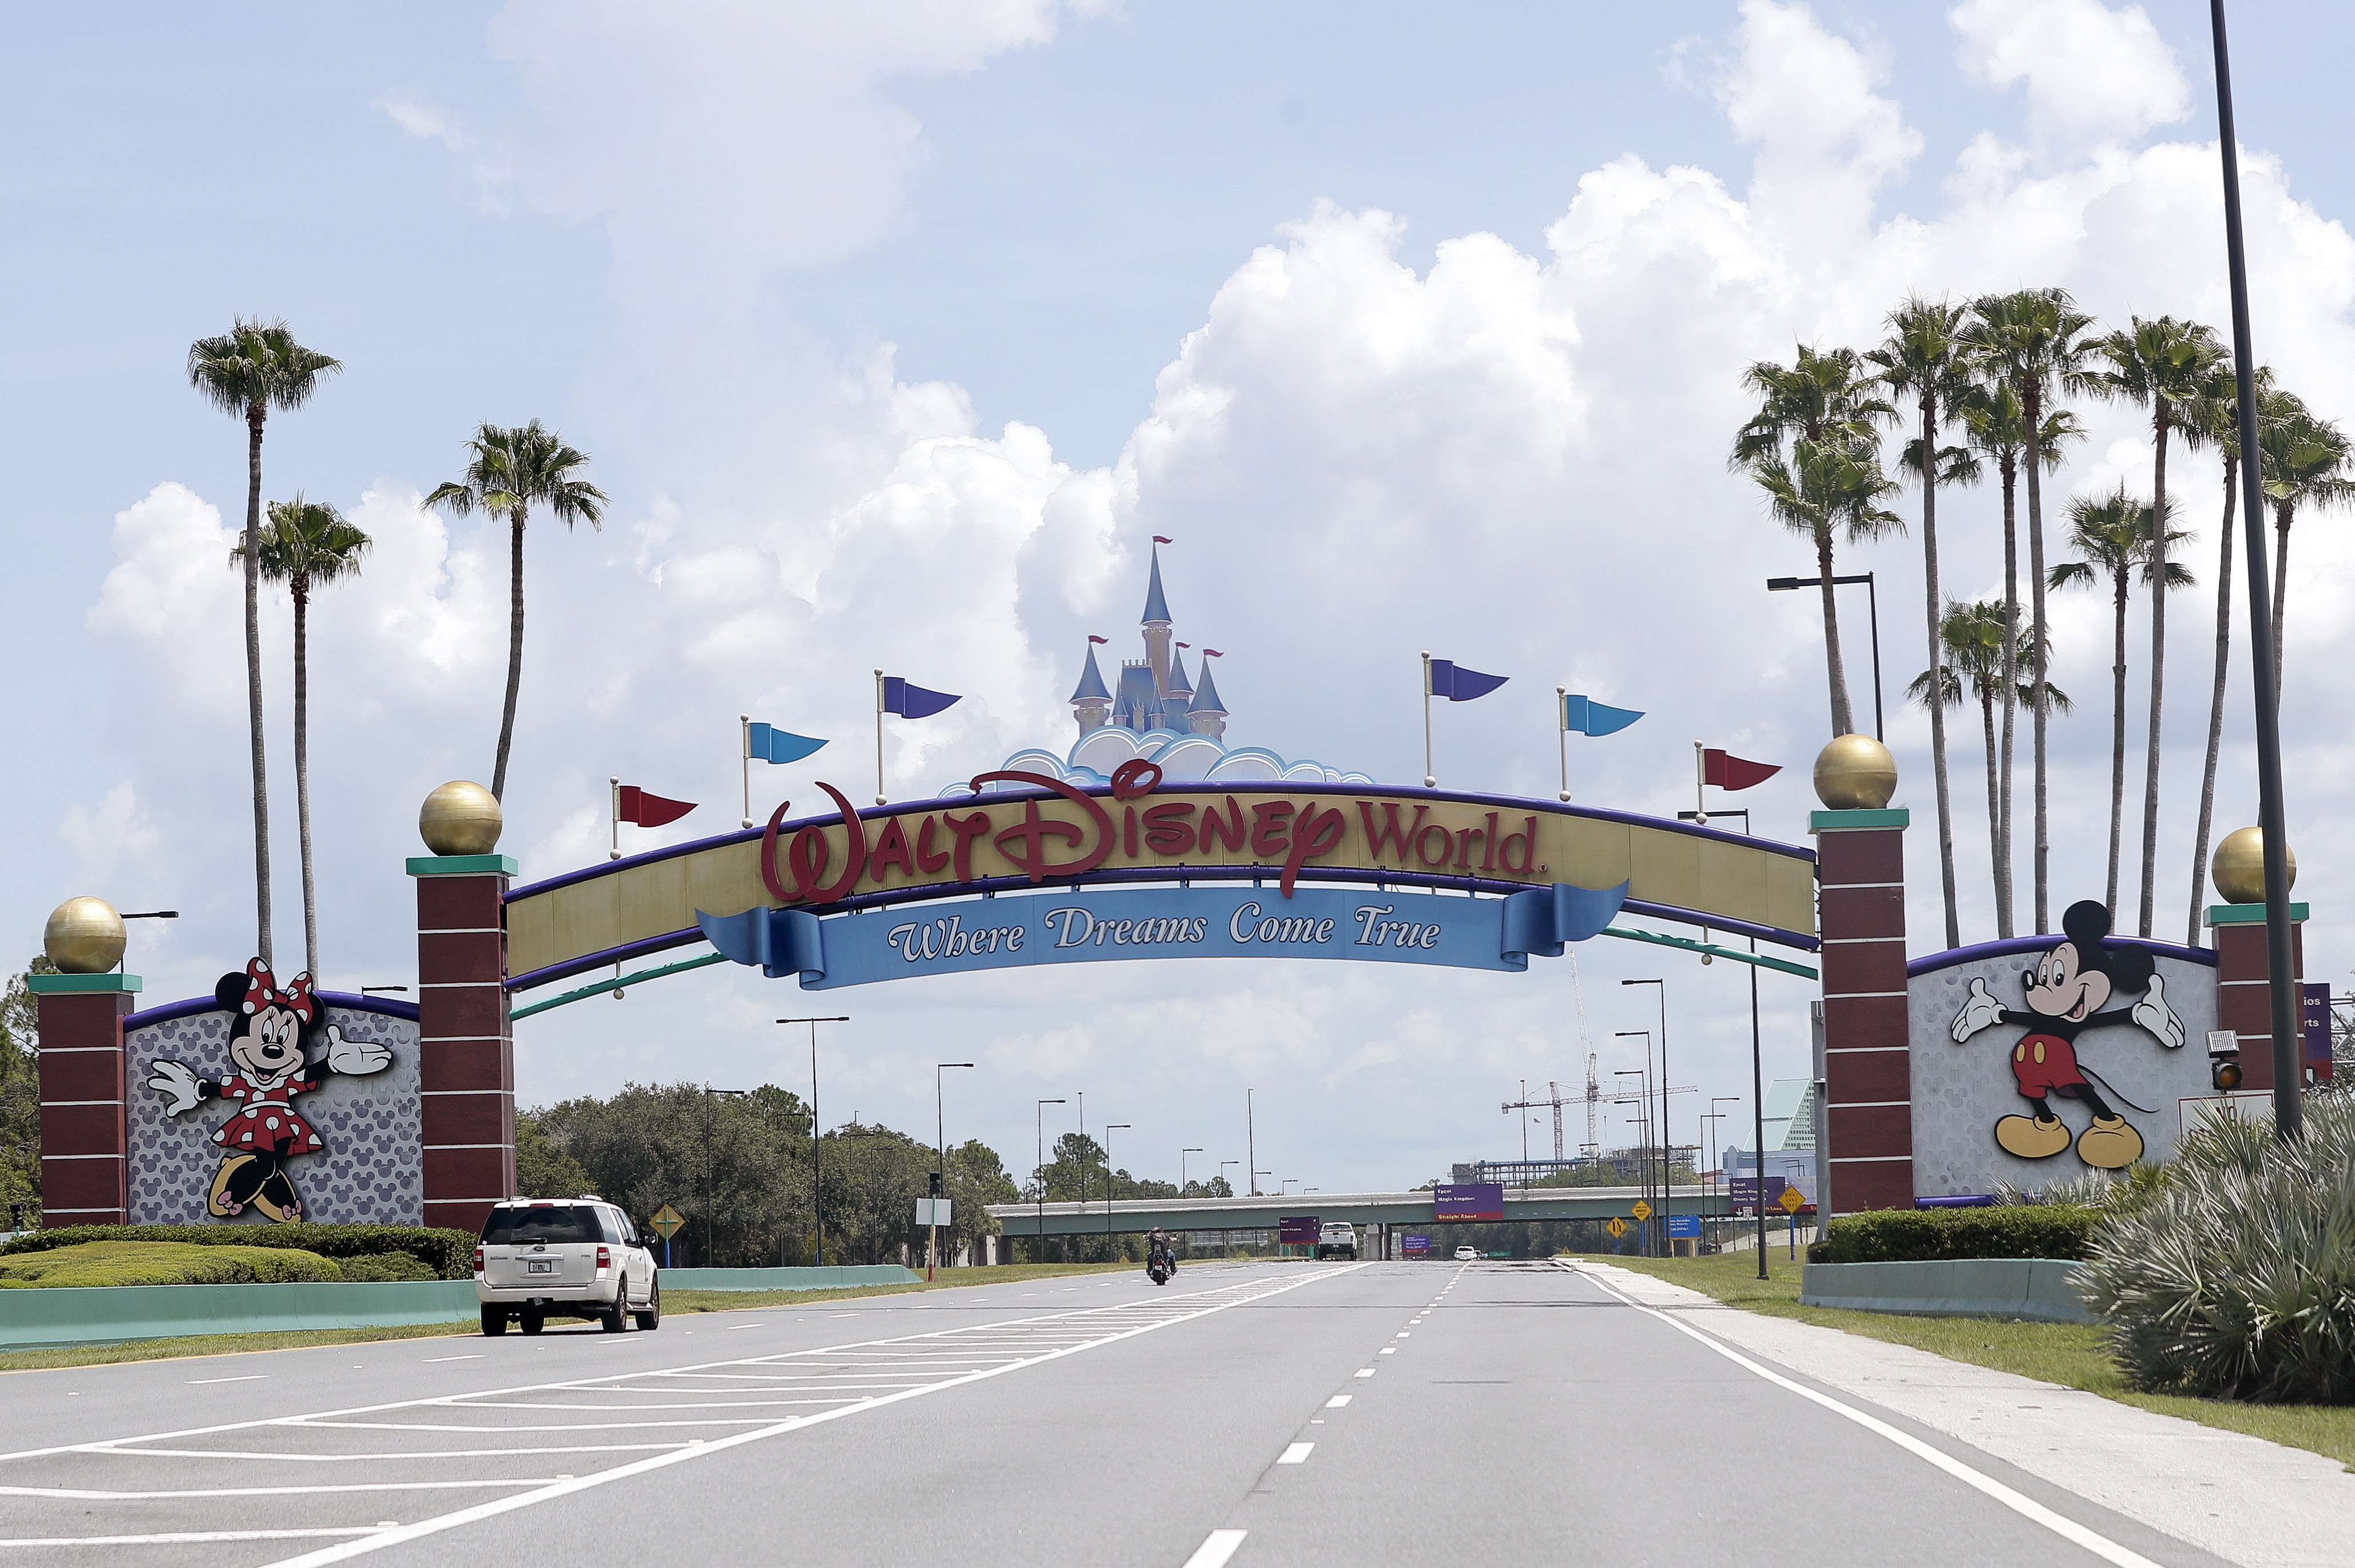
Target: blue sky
<point>789,277</point>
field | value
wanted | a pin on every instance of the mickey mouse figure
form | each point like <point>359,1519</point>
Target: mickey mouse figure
<point>2065,992</point>
<point>271,1028</point>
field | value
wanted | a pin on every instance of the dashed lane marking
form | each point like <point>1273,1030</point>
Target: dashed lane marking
<point>1216,1548</point>
<point>1295,1454</point>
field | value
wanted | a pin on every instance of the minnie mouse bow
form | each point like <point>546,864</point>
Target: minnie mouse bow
<point>263,990</point>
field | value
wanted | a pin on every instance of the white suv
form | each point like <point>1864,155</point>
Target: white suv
<point>564,1257</point>
<point>1337,1239</point>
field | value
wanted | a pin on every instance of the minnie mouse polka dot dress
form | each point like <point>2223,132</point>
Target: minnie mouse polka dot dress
<point>268,1123</point>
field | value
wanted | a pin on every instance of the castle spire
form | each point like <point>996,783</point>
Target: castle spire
<point>1157,628</point>
<point>1091,701</point>
<point>1157,608</point>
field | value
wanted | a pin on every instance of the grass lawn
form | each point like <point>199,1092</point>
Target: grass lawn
<point>2069,1354</point>
<point>678,1301</point>
<point>161,1263</point>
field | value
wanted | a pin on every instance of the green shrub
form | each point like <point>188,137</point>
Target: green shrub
<point>1917,1235</point>
<point>450,1254</point>
<point>2237,1279</point>
<point>379,1267</point>
<point>163,1263</point>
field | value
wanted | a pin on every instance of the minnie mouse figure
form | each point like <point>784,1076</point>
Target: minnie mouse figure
<point>2065,992</point>
<point>271,1028</point>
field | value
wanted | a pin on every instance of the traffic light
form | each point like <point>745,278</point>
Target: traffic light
<point>934,1179</point>
<point>2225,1072</point>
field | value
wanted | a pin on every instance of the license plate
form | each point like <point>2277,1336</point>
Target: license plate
<point>539,1265</point>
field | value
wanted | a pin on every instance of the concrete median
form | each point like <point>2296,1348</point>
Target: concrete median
<point>2041,1290</point>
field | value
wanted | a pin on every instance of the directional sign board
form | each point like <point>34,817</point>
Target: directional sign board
<point>932,1211</point>
<point>1468,1201</point>
<point>1617,1227</point>
<point>1792,1201</point>
<point>1642,1211</point>
<point>668,1220</point>
<point>1415,1245</point>
<point>1297,1230</point>
<point>1684,1227</point>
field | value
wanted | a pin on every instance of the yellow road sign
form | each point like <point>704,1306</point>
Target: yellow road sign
<point>1617,1227</point>
<point>1791,1199</point>
<point>669,1221</point>
<point>1642,1211</point>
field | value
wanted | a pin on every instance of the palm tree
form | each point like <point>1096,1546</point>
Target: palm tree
<point>2219,414</point>
<point>1924,360</point>
<point>2035,339</point>
<point>1996,427</point>
<point>2113,536</point>
<point>1814,448</point>
<point>252,368</point>
<point>1974,637</point>
<point>2163,365</point>
<point>2306,463</point>
<point>307,545</point>
<point>508,473</point>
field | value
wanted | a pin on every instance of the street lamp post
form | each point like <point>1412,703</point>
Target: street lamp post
<point>940,1185</point>
<point>1181,1169</point>
<point>1758,1098</point>
<point>817,1209</point>
<point>1041,1234</point>
<point>1665,1140</point>
<point>1873,598</point>
<point>1110,1128</point>
<point>1715,1166</point>
<point>1251,1143</point>
<point>1643,1076</point>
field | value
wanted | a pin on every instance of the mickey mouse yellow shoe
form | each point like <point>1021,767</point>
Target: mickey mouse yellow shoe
<point>2040,1137</point>
<point>2109,1144</point>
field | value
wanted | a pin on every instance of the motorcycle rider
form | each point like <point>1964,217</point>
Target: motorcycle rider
<point>1158,1246</point>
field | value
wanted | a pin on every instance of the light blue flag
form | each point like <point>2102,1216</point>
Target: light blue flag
<point>1583,715</point>
<point>770,744</point>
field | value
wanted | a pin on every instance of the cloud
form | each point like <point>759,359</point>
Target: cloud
<point>2092,74</point>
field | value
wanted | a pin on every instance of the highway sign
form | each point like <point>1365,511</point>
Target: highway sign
<point>1413,1244</point>
<point>932,1210</point>
<point>1468,1201</point>
<point>1642,1211</point>
<point>1617,1227</point>
<point>668,1220</point>
<point>1297,1230</point>
<point>1792,1201</point>
<point>1684,1227</point>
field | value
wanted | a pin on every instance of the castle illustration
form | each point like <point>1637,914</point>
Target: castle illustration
<point>1155,693</point>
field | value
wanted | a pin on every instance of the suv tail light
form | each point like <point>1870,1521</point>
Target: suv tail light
<point>604,1258</point>
<point>478,1259</point>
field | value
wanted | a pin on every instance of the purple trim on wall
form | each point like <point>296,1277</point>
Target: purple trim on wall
<point>1932,962</point>
<point>1515,803</point>
<point>1346,875</point>
<point>165,1012</point>
<point>1959,1200</point>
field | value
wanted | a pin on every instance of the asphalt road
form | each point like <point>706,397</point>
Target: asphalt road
<point>1252,1414</point>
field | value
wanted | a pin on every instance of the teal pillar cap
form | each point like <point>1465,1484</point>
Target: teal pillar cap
<point>59,985</point>
<point>2248,914</point>
<point>1833,821</point>
<point>461,865</point>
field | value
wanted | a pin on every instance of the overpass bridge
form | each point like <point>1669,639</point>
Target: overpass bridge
<point>1133,1214</point>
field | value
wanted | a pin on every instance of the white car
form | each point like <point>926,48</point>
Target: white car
<point>564,1257</point>
<point>1337,1239</point>
<point>1467,1255</point>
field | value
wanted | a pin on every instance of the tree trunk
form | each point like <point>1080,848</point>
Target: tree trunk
<point>2003,920</point>
<point>303,771</point>
<point>2158,670</point>
<point>1995,815</point>
<point>2283,511</point>
<point>2118,734</point>
<point>253,419</point>
<point>2033,403</point>
<point>1937,670</point>
<point>2215,707</point>
<point>515,653</point>
<point>1843,719</point>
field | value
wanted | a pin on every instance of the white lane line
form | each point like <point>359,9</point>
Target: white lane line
<point>350,1549</point>
<point>1387,1350</point>
<point>1365,1371</point>
<point>83,1494</point>
<point>186,1537</point>
<point>1295,1454</point>
<point>431,1361</point>
<point>1216,1548</point>
<point>249,1377</point>
<point>245,1454</point>
<point>1338,1401</point>
<point>2027,1508</point>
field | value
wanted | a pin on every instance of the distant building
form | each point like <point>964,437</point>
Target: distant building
<point>1155,692</point>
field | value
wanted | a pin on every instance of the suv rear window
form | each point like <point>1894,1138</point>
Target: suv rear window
<point>553,1223</point>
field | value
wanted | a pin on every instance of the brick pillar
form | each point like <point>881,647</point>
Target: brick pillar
<point>85,1176</point>
<point>465,1043</point>
<point>1868,1127</point>
<point>2243,976</point>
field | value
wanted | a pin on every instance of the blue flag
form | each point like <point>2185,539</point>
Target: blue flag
<point>1453,682</point>
<point>767,744</point>
<point>1583,716</point>
<point>911,702</point>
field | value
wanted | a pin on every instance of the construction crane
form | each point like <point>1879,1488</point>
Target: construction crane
<point>1555,1100</point>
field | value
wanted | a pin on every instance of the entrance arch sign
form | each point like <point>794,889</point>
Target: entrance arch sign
<point>1025,832</point>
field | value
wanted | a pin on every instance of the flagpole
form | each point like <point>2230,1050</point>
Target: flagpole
<point>1429,778</point>
<point>745,721</point>
<point>1562,723</point>
<point>878,737</point>
<point>1701,786</point>
<point>614,810</point>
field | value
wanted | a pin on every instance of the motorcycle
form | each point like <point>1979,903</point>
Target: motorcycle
<point>1160,1265</point>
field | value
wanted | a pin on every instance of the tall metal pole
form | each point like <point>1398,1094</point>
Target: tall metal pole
<point>1040,1235</point>
<point>1251,1135</point>
<point>1644,1097</point>
<point>817,1209</point>
<point>1873,602</point>
<point>2288,1067</point>
<point>1430,777</point>
<point>941,1134</point>
<point>1663,984</point>
<point>1758,1122</point>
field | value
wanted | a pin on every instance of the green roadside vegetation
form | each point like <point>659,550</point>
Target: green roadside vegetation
<point>674,1301</point>
<point>2069,1354</point>
<point>93,1264</point>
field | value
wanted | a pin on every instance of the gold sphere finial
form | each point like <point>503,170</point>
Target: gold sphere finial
<point>1855,772</point>
<point>2239,867</point>
<point>84,936</point>
<point>460,819</point>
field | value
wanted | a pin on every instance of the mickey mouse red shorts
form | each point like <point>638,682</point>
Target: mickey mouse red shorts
<point>2045,1064</point>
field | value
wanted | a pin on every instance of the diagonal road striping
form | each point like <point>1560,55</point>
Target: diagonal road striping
<point>680,1414</point>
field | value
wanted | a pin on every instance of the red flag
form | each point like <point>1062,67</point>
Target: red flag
<point>1734,772</point>
<point>1094,638</point>
<point>1163,538</point>
<point>649,810</point>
